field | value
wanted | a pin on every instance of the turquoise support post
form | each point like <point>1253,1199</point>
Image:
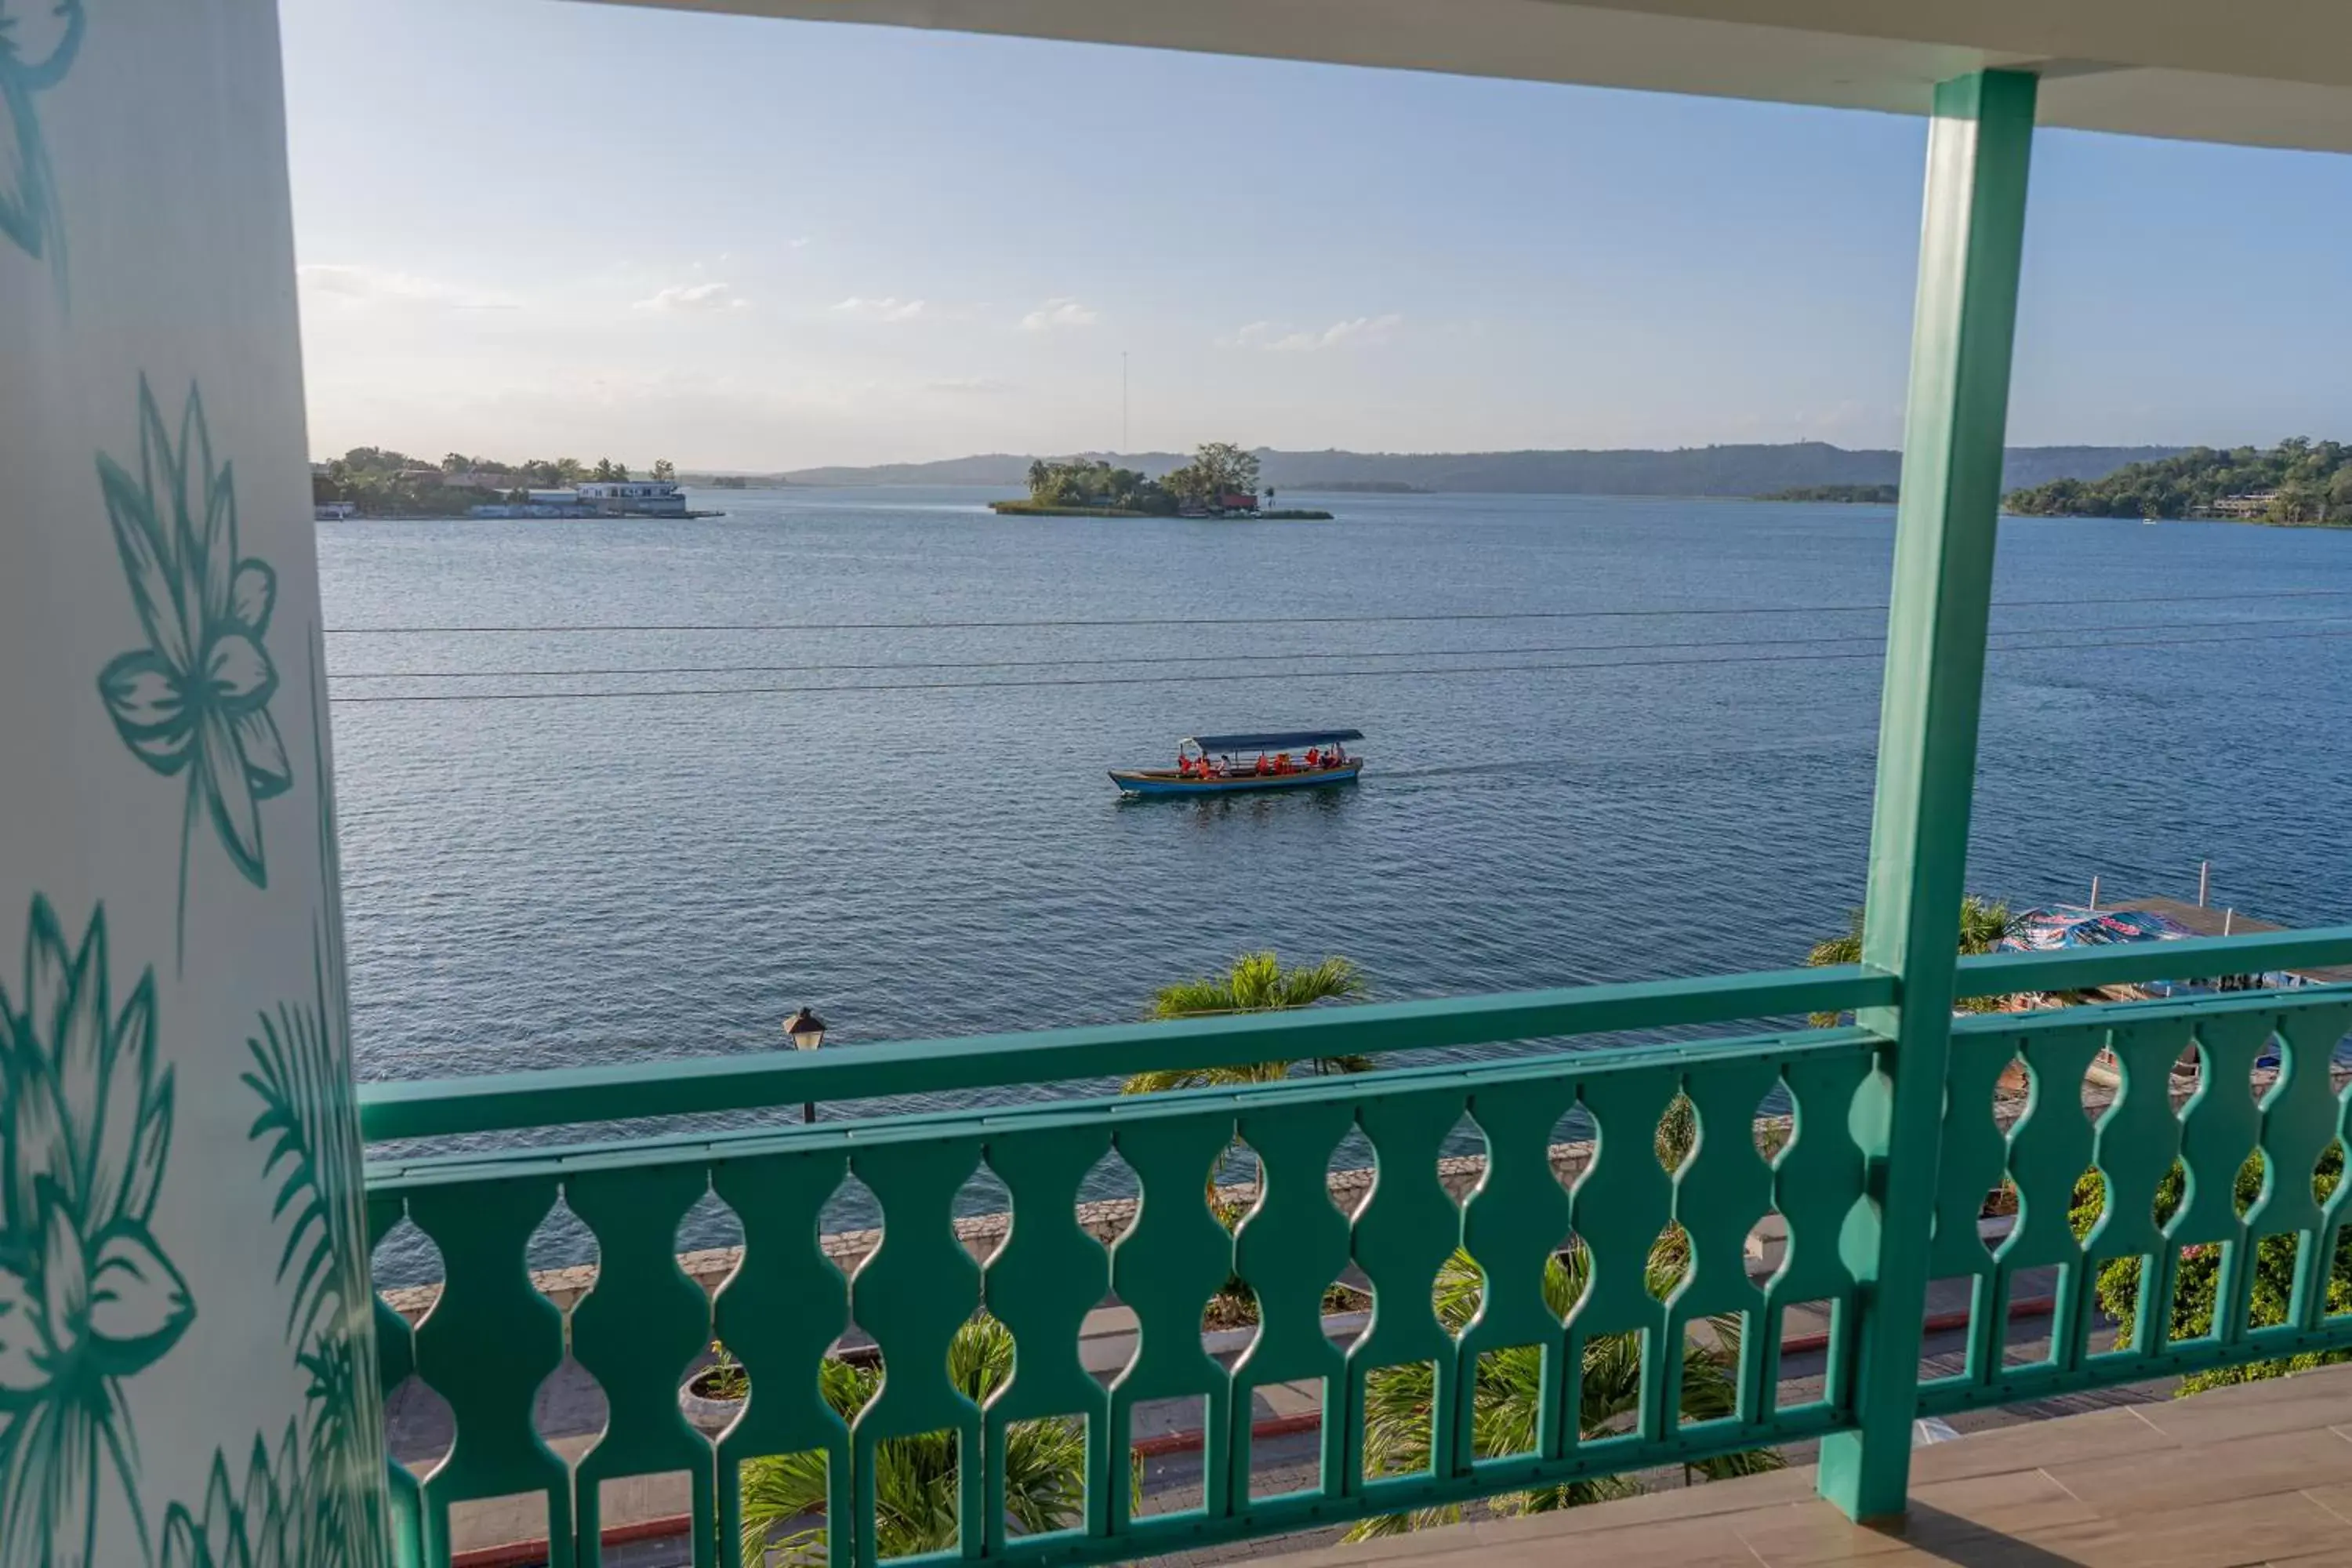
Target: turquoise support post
<point>1979,145</point>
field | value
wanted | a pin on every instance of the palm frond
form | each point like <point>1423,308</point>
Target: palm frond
<point>1984,923</point>
<point>915,1479</point>
<point>290,1063</point>
<point>1506,1408</point>
<point>1253,982</point>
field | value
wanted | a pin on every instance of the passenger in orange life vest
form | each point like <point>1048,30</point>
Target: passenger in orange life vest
<point>1314,758</point>
<point>1263,765</point>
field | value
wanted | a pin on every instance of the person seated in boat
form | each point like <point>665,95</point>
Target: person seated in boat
<point>1263,765</point>
<point>1282,763</point>
<point>1225,765</point>
<point>1337,756</point>
<point>1183,766</point>
<point>1314,758</point>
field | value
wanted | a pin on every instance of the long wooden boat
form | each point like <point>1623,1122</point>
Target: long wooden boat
<point>1239,764</point>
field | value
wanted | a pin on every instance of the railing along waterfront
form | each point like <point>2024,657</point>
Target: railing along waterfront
<point>1653,1231</point>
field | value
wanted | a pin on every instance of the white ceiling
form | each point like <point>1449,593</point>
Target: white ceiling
<point>2274,73</point>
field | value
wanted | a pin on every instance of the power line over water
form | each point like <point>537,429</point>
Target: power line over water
<point>1042,625</point>
<point>1873,638</point>
<point>1218,677</point>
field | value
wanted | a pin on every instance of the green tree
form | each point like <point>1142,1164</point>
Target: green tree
<point>2339,496</point>
<point>1508,1407</point>
<point>2198,1283</point>
<point>664,468</point>
<point>2304,472</point>
<point>914,1478</point>
<point>1218,469</point>
<point>1253,982</point>
<point>1983,923</point>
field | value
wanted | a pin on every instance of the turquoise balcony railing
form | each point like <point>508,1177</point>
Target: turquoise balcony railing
<point>492,1337</point>
<point>1892,1149</point>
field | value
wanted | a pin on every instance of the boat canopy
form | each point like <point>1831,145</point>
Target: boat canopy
<point>1271,740</point>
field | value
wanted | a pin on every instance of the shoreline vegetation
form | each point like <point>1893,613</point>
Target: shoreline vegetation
<point>1844,495</point>
<point>1222,480</point>
<point>1032,509</point>
<point>381,482</point>
<point>2299,483</point>
<point>1732,473</point>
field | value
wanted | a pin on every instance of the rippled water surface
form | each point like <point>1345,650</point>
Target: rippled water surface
<point>560,880</point>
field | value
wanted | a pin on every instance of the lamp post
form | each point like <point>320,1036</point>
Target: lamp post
<point>806,1032</point>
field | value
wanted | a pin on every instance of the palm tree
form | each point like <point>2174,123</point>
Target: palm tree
<point>1508,1406</point>
<point>915,1477</point>
<point>1983,923</point>
<point>1255,982</point>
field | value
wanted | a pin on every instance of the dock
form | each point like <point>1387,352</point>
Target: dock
<point>2206,921</point>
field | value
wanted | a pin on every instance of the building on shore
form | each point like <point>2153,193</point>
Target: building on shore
<point>2254,503</point>
<point>595,497</point>
<point>633,498</point>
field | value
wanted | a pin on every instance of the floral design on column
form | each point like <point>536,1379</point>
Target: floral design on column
<point>316,1500</point>
<point>33,61</point>
<point>195,699</point>
<point>88,1301</point>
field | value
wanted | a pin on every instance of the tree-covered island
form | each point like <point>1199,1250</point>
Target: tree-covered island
<point>380,482</point>
<point>1222,480</point>
<point>2299,483</point>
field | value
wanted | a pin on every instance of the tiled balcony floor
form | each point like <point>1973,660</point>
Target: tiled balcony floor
<point>2256,1475</point>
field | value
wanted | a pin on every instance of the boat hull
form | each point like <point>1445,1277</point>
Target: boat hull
<point>1161,781</point>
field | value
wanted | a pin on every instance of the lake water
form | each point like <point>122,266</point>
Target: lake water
<point>565,881</point>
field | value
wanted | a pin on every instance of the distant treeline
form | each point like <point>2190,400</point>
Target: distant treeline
<point>1873,495</point>
<point>1735,470</point>
<point>2309,484</point>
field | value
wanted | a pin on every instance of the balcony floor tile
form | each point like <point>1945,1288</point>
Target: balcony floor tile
<point>2240,1477</point>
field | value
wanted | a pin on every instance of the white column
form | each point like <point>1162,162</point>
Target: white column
<point>187,1374</point>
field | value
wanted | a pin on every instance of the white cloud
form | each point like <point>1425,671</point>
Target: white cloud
<point>684,296</point>
<point>1062,312</point>
<point>361,286</point>
<point>1362,329</point>
<point>798,244</point>
<point>1286,339</point>
<point>889,307</point>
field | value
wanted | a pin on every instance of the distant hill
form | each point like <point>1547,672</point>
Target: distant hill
<point>1747,470</point>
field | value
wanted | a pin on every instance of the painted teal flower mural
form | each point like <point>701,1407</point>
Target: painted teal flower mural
<point>322,1504</point>
<point>87,1298</point>
<point>195,699</point>
<point>252,1524</point>
<point>37,45</point>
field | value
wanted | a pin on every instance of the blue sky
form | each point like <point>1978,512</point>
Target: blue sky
<point>533,227</point>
